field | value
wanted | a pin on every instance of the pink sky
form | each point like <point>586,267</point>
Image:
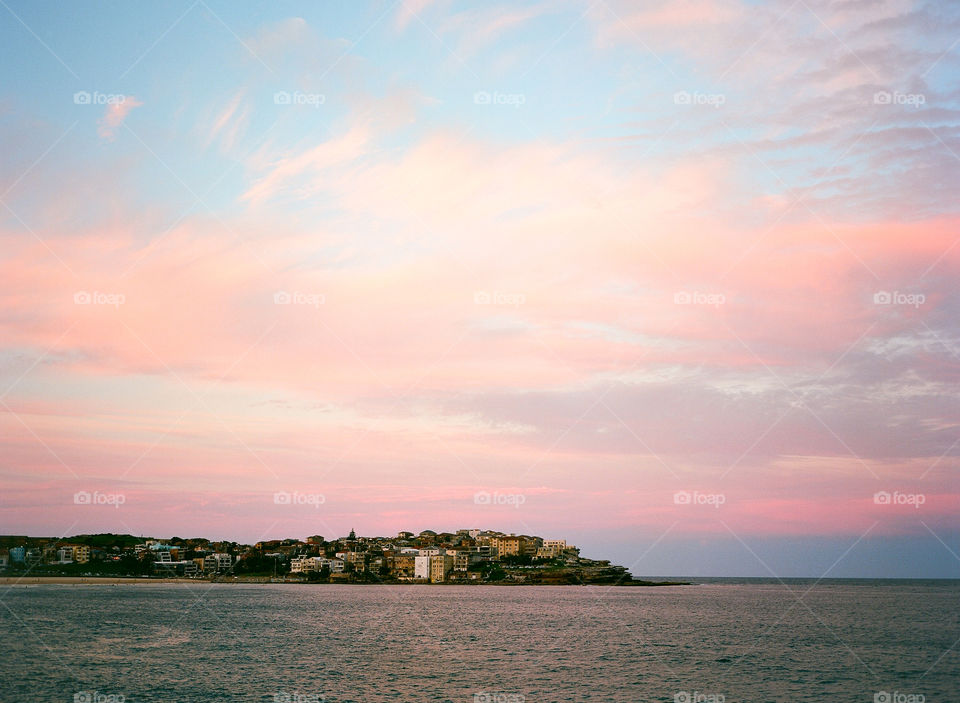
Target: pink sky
<point>592,303</point>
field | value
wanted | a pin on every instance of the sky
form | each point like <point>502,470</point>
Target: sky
<point>675,281</point>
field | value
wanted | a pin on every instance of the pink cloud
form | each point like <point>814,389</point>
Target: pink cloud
<point>115,115</point>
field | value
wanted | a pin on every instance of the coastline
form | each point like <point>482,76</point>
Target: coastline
<point>127,580</point>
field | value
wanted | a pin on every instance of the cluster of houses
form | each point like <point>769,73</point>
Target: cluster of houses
<point>58,553</point>
<point>430,556</point>
<point>166,558</point>
<point>427,556</point>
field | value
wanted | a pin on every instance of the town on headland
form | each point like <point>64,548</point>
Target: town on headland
<point>468,556</point>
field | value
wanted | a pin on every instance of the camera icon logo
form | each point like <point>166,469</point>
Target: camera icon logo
<point>481,97</point>
<point>882,498</point>
<point>81,97</point>
<point>282,97</point>
<point>82,498</point>
<point>281,297</point>
<point>882,97</point>
<point>682,498</point>
<point>481,498</point>
<point>482,297</point>
<point>82,297</point>
<point>281,498</point>
<point>83,697</point>
<point>682,97</point>
<point>882,297</point>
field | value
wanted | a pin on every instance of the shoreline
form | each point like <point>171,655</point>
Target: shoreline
<point>127,580</point>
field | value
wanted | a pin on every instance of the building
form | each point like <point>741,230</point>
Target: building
<point>65,555</point>
<point>440,566</point>
<point>185,567</point>
<point>217,562</point>
<point>551,548</point>
<point>304,565</point>
<point>81,553</point>
<point>421,567</point>
<point>504,545</point>
<point>402,564</point>
<point>17,555</point>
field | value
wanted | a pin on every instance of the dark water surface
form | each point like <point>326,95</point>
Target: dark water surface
<point>746,640</point>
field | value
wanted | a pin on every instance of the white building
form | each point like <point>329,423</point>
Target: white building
<point>217,562</point>
<point>421,567</point>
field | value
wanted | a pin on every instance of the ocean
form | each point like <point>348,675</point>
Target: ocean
<point>720,640</point>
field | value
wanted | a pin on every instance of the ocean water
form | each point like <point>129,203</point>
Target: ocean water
<point>719,640</point>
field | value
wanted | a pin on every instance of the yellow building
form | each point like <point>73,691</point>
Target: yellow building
<point>440,566</point>
<point>505,545</point>
<point>81,553</point>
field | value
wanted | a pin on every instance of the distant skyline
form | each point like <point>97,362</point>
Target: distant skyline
<point>677,282</point>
